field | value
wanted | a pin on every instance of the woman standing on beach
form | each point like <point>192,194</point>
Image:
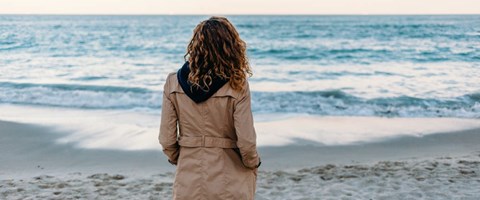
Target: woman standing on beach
<point>208,100</point>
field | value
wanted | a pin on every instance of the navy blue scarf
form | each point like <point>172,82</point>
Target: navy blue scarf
<point>197,94</point>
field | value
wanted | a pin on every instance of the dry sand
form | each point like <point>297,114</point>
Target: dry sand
<point>437,166</point>
<point>439,178</point>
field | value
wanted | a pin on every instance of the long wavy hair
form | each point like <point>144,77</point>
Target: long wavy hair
<point>216,50</point>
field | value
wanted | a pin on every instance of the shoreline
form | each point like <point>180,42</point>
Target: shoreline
<point>439,166</point>
<point>108,129</point>
<point>31,149</point>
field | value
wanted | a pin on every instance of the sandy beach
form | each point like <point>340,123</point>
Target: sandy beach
<point>345,106</point>
<point>435,166</point>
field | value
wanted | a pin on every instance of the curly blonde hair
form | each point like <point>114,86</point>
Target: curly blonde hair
<point>217,50</point>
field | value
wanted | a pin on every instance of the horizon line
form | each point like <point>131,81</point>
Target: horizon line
<point>239,14</point>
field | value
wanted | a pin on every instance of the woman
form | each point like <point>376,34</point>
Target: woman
<point>208,100</point>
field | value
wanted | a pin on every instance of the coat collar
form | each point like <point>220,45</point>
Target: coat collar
<point>196,94</point>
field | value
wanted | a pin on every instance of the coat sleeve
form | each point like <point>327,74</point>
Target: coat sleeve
<point>168,127</point>
<point>247,138</point>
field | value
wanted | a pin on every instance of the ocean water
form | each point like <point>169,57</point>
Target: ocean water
<point>331,80</point>
<point>389,66</point>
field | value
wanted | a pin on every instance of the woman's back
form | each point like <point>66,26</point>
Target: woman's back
<point>208,162</point>
<point>209,135</point>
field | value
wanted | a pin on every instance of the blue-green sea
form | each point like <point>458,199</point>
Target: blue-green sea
<point>388,66</point>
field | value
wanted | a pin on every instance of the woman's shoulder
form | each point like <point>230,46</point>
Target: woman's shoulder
<point>171,76</point>
<point>171,83</point>
<point>227,90</point>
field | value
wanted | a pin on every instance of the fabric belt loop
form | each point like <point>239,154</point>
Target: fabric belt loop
<point>203,141</point>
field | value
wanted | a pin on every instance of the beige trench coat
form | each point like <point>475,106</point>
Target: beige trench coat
<point>215,148</point>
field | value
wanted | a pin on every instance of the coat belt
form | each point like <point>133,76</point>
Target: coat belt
<point>207,141</point>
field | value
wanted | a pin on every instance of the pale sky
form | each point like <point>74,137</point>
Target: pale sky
<point>226,7</point>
